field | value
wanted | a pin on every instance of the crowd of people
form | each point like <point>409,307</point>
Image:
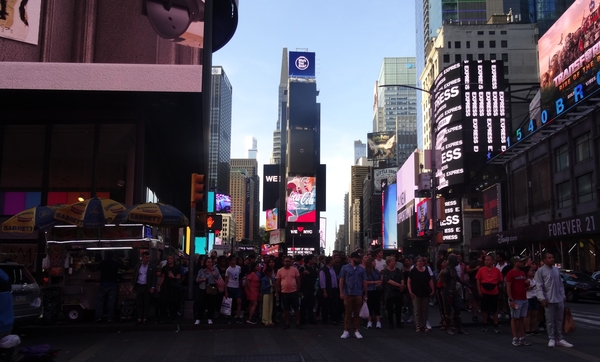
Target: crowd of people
<point>333,289</point>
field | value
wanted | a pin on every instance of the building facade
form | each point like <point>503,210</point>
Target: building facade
<point>281,108</point>
<point>220,130</point>
<point>360,150</point>
<point>251,192</point>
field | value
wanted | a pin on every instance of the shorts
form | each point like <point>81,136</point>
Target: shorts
<point>489,303</point>
<point>474,295</point>
<point>521,311</point>
<point>534,304</point>
<point>234,293</point>
<point>289,300</point>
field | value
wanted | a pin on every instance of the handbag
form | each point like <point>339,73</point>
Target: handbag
<point>226,306</point>
<point>211,289</point>
<point>568,322</point>
<point>488,286</point>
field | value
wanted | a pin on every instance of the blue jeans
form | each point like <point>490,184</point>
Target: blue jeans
<point>110,291</point>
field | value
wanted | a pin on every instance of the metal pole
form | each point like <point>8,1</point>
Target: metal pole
<point>191,275</point>
<point>433,182</point>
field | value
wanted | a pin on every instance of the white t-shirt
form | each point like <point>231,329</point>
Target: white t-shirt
<point>531,292</point>
<point>380,265</point>
<point>233,275</point>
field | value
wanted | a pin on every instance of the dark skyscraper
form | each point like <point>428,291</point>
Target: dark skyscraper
<point>220,130</point>
<point>542,12</point>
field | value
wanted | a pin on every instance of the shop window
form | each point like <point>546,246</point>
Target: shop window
<point>563,194</point>
<point>561,155</point>
<point>582,148</point>
<point>585,188</point>
<point>475,228</point>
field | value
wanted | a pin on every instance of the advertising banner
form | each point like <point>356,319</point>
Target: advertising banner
<point>275,237</point>
<point>323,233</point>
<point>302,64</point>
<point>568,61</point>
<point>491,214</point>
<point>389,229</point>
<point>20,20</point>
<point>381,146</point>
<point>452,225</point>
<point>223,203</point>
<point>406,180</point>
<point>270,184</point>
<point>424,221</point>
<point>272,218</point>
<point>388,174</point>
<point>301,199</point>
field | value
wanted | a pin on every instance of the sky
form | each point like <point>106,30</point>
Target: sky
<point>350,39</point>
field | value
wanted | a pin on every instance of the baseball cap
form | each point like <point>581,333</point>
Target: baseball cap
<point>517,258</point>
<point>355,255</point>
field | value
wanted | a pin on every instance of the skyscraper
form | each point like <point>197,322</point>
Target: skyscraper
<point>253,148</point>
<point>396,105</point>
<point>220,130</point>
<point>360,150</point>
<point>282,106</point>
<point>249,229</point>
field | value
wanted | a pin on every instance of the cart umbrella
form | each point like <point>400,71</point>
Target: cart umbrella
<point>91,213</point>
<point>25,222</point>
<point>153,214</point>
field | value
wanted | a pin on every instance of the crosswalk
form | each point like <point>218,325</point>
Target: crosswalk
<point>587,320</point>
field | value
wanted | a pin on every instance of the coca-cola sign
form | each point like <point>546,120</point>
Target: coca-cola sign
<point>301,199</point>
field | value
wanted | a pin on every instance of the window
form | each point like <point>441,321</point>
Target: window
<point>480,44</point>
<point>582,148</point>
<point>457,58</point>
<point>449,45</point>
<point>480,32</point>
<point>446,58</point>
<point>503,32</point>
<point>519,199</point>
<point>505,57</point>
<point>585,188</point>
<point>469,56</point>
<point>468,44</point>
<point>563,194</point>
<point>481,56</point>
<point>492,32</point>
<point>506,70</point>
<point>504,43</point>
<point>561,155</point>
<point>492,43</point>
<point>457,45</point>
<point>475,228</point>
<point>492,56</point>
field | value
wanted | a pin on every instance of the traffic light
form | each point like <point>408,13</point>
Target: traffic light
<point>214,222</point>
<point>197,193</point>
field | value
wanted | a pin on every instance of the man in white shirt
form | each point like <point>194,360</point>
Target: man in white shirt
<point>232,279</point>
<point>144,282</point>
<point>379,261</point>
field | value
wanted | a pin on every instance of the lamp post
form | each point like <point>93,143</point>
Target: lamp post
<point>433,182</point>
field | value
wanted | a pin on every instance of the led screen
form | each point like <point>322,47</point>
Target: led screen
<point>301,195</point>
<point>223,203</point>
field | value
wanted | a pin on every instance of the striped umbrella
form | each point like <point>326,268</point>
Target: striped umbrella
<point>25,222</point>
<point>153,214</point>
<point>91,213</point>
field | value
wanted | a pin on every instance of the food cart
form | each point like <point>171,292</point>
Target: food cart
<point>73,255</point>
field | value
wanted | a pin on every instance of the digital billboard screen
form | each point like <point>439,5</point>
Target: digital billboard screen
<point>272,218</point>
<point>388,174</point>
<point>491,210</point>
<point>452,225</point>
<point>568,60</point>
<point>424,221</point>
<point>390,231</point>
<point>270,185</point>
<point>301,64</point>
<point>301,203</point>
<point>223,203</point>
<point>381,146</point>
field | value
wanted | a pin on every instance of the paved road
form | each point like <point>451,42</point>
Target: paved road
<point>314,343</point>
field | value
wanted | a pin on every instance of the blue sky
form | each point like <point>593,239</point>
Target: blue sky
<point>350,39</point>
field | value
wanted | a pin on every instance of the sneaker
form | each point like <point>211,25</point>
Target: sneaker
<point>496,329</point>
<point>210,321</point>
<point>345,335</point>
<point>410,320</point>
<point>250,321</point>
<point>524,342</point>
<point>551,343</point>
<point>562,343</point>
<point>515,342</point>
<point>428,325</point>
<point>358,335</point>
<point>378,325</point>
<point>369,325</point>
<point>197,322</point>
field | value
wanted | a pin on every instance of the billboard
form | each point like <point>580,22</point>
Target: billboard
<point>301,195</point>
<point>470,118</point>
<point>424,221</point>
<point>275,237</point>
<point>381,146</point>
<point>302,64</point>
<point>301,154</point>
<point>270,185</point>
<point>20,20</point>
<point>302,108</point>
<point>388,223</point>
<point>223,203</point>
<point>323,233</point>
<point>388,174</point>
<point>491,210</point>
<point>452,225</point>
<point>568,61</point>
<point>406,178</point>
<point>272,219</point>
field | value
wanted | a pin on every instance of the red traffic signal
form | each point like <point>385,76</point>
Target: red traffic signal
<point>197,191</point>
<point>214,222</point>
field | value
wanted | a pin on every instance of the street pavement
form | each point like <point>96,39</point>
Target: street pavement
<point>224,342</point>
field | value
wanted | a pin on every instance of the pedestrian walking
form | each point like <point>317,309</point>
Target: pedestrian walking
<point>328,283</point>
<point>287,286</point>
<point>420,288</point>
<point>551,294</point>
<point>353,291</point>
<point>207,279</point>
<point>393,287</point>
<point>488,279</point>
<point>267,289</point>
<point>516,289</point>
<point>252,291</point>
<point>374,283</point>
<point>144,284</point>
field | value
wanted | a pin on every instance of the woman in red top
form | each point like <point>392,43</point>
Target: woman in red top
<point>252,291</point>
<point>488,279</point>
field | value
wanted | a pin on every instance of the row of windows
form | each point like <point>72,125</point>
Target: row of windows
<point>480,44</point>
<point>480,56</point>
<point>582,152</point>
<point>585,191</point>
<point>491,32</point>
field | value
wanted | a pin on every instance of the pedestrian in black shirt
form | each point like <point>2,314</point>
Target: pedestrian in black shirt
<point>308,275</point>
<point>108,289</point>
<point>168,286</point>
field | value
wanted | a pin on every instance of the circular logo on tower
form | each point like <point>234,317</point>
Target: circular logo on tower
<point>302,62</point>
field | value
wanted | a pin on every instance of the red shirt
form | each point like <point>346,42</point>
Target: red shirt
<point>489,276</point>
<point>518,288</point>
